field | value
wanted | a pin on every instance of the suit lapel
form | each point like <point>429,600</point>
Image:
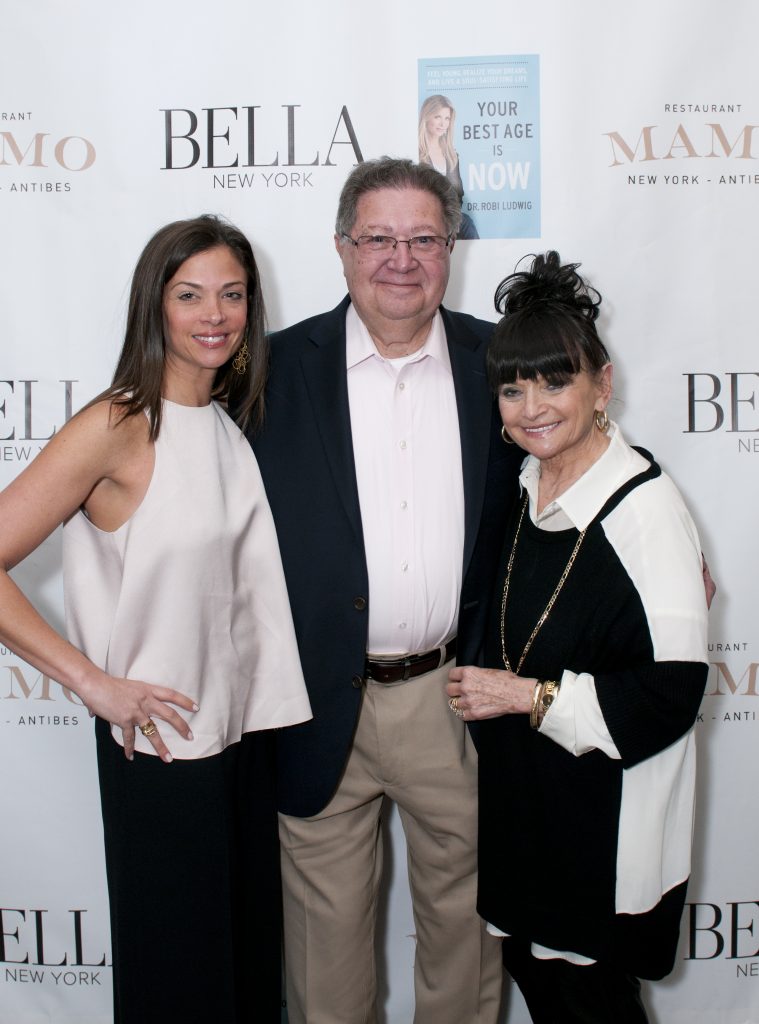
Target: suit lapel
<point>324,370</point>
<point>475,409</point>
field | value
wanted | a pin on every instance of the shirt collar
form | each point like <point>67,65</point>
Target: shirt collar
<point>359,345</point>
<point>582,502</point>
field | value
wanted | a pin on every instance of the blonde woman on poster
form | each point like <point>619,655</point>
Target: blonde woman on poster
<point>437,118</point>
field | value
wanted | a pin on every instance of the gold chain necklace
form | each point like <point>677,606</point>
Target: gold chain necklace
<point>551,601</point>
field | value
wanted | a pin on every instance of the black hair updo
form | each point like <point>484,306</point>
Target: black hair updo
<point>547,328</point>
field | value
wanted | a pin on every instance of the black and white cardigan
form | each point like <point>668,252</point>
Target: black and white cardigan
<point>586,824</point>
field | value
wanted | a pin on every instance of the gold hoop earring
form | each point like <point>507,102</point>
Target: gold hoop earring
<point>242,358</point>
<point>602,420</point>
<point>505,436</point>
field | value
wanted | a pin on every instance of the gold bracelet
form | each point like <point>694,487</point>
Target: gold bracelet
<point>536,695</point>
<point>548,695</point>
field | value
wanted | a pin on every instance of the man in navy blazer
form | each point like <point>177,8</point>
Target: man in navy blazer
<point>389,482</point>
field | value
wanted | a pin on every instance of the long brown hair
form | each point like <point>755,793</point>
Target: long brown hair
<point>138,377</point>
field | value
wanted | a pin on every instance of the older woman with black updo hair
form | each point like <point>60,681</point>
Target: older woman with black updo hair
<point>596,657</point>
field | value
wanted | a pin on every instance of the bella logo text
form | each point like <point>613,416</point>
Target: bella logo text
<point>231,137</point>
<point>714,403</point>
<point>17,410</point>
<point>22,940</point>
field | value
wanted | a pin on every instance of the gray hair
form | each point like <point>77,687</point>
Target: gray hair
<point>389,172</point>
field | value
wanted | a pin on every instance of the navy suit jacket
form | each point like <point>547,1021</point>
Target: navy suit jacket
<point>305,453</point>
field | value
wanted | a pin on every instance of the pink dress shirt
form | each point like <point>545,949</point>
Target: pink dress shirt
<point>407,448</point>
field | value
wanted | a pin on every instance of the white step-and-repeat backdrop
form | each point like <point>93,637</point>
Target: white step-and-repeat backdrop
<point>624,135</point>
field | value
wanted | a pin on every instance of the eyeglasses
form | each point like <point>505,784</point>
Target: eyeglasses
<point>422,247</point>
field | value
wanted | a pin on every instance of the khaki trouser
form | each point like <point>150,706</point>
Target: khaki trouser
<point>412,749</point>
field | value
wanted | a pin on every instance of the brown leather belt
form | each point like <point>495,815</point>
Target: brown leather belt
<point>396,670</point>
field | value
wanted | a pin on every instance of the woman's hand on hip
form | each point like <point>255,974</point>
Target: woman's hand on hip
<point>131,704</point>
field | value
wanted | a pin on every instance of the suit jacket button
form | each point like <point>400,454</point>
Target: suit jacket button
<point>359,603</point>
<point>357,682</point>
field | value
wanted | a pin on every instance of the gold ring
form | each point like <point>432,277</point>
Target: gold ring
<point>453,704</point>
<point>148,729</point>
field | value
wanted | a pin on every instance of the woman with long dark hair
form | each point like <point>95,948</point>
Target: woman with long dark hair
<point>177,614</point>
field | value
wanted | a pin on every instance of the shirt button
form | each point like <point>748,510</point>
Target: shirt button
<point>357,682</point>
<point>403,444</point>
<point>359,603</point>
<point>404,566</point>
<point>401,625</point>
<point>404,504</point>
<point>401,386</point>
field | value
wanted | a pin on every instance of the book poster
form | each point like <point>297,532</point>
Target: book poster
<point>479,124</point>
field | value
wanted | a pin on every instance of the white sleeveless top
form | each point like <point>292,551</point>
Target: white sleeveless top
<point>189,592</point>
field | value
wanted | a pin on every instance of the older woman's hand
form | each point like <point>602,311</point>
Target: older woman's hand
<point>477,693</point>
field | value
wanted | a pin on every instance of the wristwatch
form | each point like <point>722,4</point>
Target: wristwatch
<point>549,693</point>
